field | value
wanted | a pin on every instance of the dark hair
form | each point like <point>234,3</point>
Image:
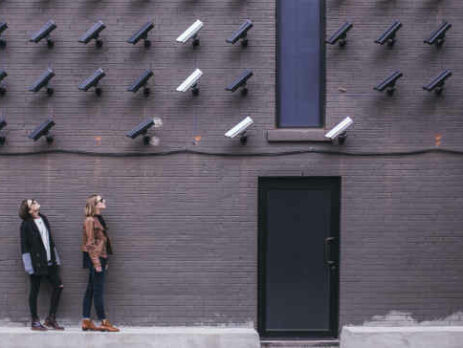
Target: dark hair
<point>24,210</point>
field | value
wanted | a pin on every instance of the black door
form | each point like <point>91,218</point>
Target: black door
<point>298,256</point>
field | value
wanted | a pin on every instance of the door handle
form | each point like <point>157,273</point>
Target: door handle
<point>328,242</point>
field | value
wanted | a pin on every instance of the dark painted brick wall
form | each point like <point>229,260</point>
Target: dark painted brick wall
<point>185,226</point>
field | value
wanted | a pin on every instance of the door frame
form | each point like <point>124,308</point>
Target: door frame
<point>316,181</point>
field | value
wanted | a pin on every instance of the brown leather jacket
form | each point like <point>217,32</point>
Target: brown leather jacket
<point>95,241</point>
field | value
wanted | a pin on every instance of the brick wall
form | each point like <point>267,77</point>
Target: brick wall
<point>194,258</point>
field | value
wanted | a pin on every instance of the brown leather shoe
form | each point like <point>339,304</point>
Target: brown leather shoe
<point>107,326</point>
<point>87,325</point>
<point>51,323</point>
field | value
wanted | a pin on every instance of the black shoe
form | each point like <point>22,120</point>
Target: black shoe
<point>51,323</point>
<point>37,326</point>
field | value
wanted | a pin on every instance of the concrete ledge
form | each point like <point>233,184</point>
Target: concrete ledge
<point>297,135</point>
<point>158,337</point>
<point>402,337</point>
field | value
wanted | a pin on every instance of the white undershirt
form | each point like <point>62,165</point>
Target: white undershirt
<point>44,234</point>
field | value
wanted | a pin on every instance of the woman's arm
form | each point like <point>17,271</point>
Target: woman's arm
<point>91,244</point>
<point>26,250</point>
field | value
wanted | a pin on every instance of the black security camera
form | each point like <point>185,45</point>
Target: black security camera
<point>142,33</point>
<point>438,36</point>
<point>389,35</point>
<point>142,129</point>
<point>44,32</point>
<point>92,81</point>
<point>43,81</point>
<point>3,124</point>
<point>43,130</point>
<point>241,34</point>
<point>340,35</point>
<point>3,27</point>
<point>93,34</point>
<point>437,84</point>
<point>240,82</point>
<point>3,74</point>
<point>389,83</point>
<point>141,81</point>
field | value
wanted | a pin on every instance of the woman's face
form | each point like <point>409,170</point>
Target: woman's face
<point>34,206</point>
<point>100,203</point>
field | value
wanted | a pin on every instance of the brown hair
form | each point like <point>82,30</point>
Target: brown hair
<point>90,205</point>
<point>24,208</point>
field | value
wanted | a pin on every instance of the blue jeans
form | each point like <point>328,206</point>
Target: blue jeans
<point>95,291</point>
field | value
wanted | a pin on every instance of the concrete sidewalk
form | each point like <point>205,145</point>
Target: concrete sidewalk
<point>156,337</point>
<point>402,337</point>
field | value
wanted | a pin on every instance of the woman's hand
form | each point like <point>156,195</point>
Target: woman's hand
<point>98,269</point>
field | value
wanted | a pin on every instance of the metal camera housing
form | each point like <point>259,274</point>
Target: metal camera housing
<point>92,81</point>
<point>142,33</point>
<point>3,27</point>
<point>191,33</point>
<point>3,74</point>
<point>191,82</point>
<point>240,130</point>
<point>141,129</point>
<point>93,34</point>
<point>388,84</point>
<point>43,81</point>
<point>43,130</point>
<point>438,82</point>
<point>389,35</point>
<point>44,32</point>
<point>240,82</point>
<point>140,82</point>
<point>340,35</point>
<point>438,36</point>
<point>241,34</point>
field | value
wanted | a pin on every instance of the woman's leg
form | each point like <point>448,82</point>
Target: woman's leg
<point>33,294</point>
<point>55,281</point>
<point>87,304</point>
<point>98,291</point>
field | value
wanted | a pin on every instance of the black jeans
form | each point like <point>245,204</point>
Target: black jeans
<point>55,281</point>
<point>95,291</point>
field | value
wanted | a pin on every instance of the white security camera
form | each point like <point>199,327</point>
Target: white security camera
<point>191,33</point>
<point>339,131</point>
<point>240,129</point>
<point>191,82</point>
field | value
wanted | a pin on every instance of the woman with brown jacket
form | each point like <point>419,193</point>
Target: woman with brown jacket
<point>96,247</point>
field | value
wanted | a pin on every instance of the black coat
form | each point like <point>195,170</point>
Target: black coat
<point>33,252</point>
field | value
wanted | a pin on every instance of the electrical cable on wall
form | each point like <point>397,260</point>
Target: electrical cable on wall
<point>236,154</point>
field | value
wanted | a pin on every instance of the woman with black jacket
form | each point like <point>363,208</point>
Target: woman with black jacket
<point>41,260</point>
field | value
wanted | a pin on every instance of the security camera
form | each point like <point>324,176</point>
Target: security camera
<point>340,130</point>
<point>43,81</point>
<point>92,81</point>
<point>389,35</point>
<point>437,84</point>
<point>142,129</point>
<point>240,129</point>
<point>340,35</point>
<point>438,36</point>
<point>93,34</point>
<point>191,82</point>
<point>240,82</point>
<point>3,124</point>
<point>3,74</point>
<point>44,32</point>
<point>3,27</point>
<point>43,130</point>
<point>389,83</point>
<point>142,33</point>
<point>191,33</point>
<point>241,33</point>
<point>141,82</point>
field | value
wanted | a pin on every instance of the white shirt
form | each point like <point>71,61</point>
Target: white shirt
<point>44,234</point>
